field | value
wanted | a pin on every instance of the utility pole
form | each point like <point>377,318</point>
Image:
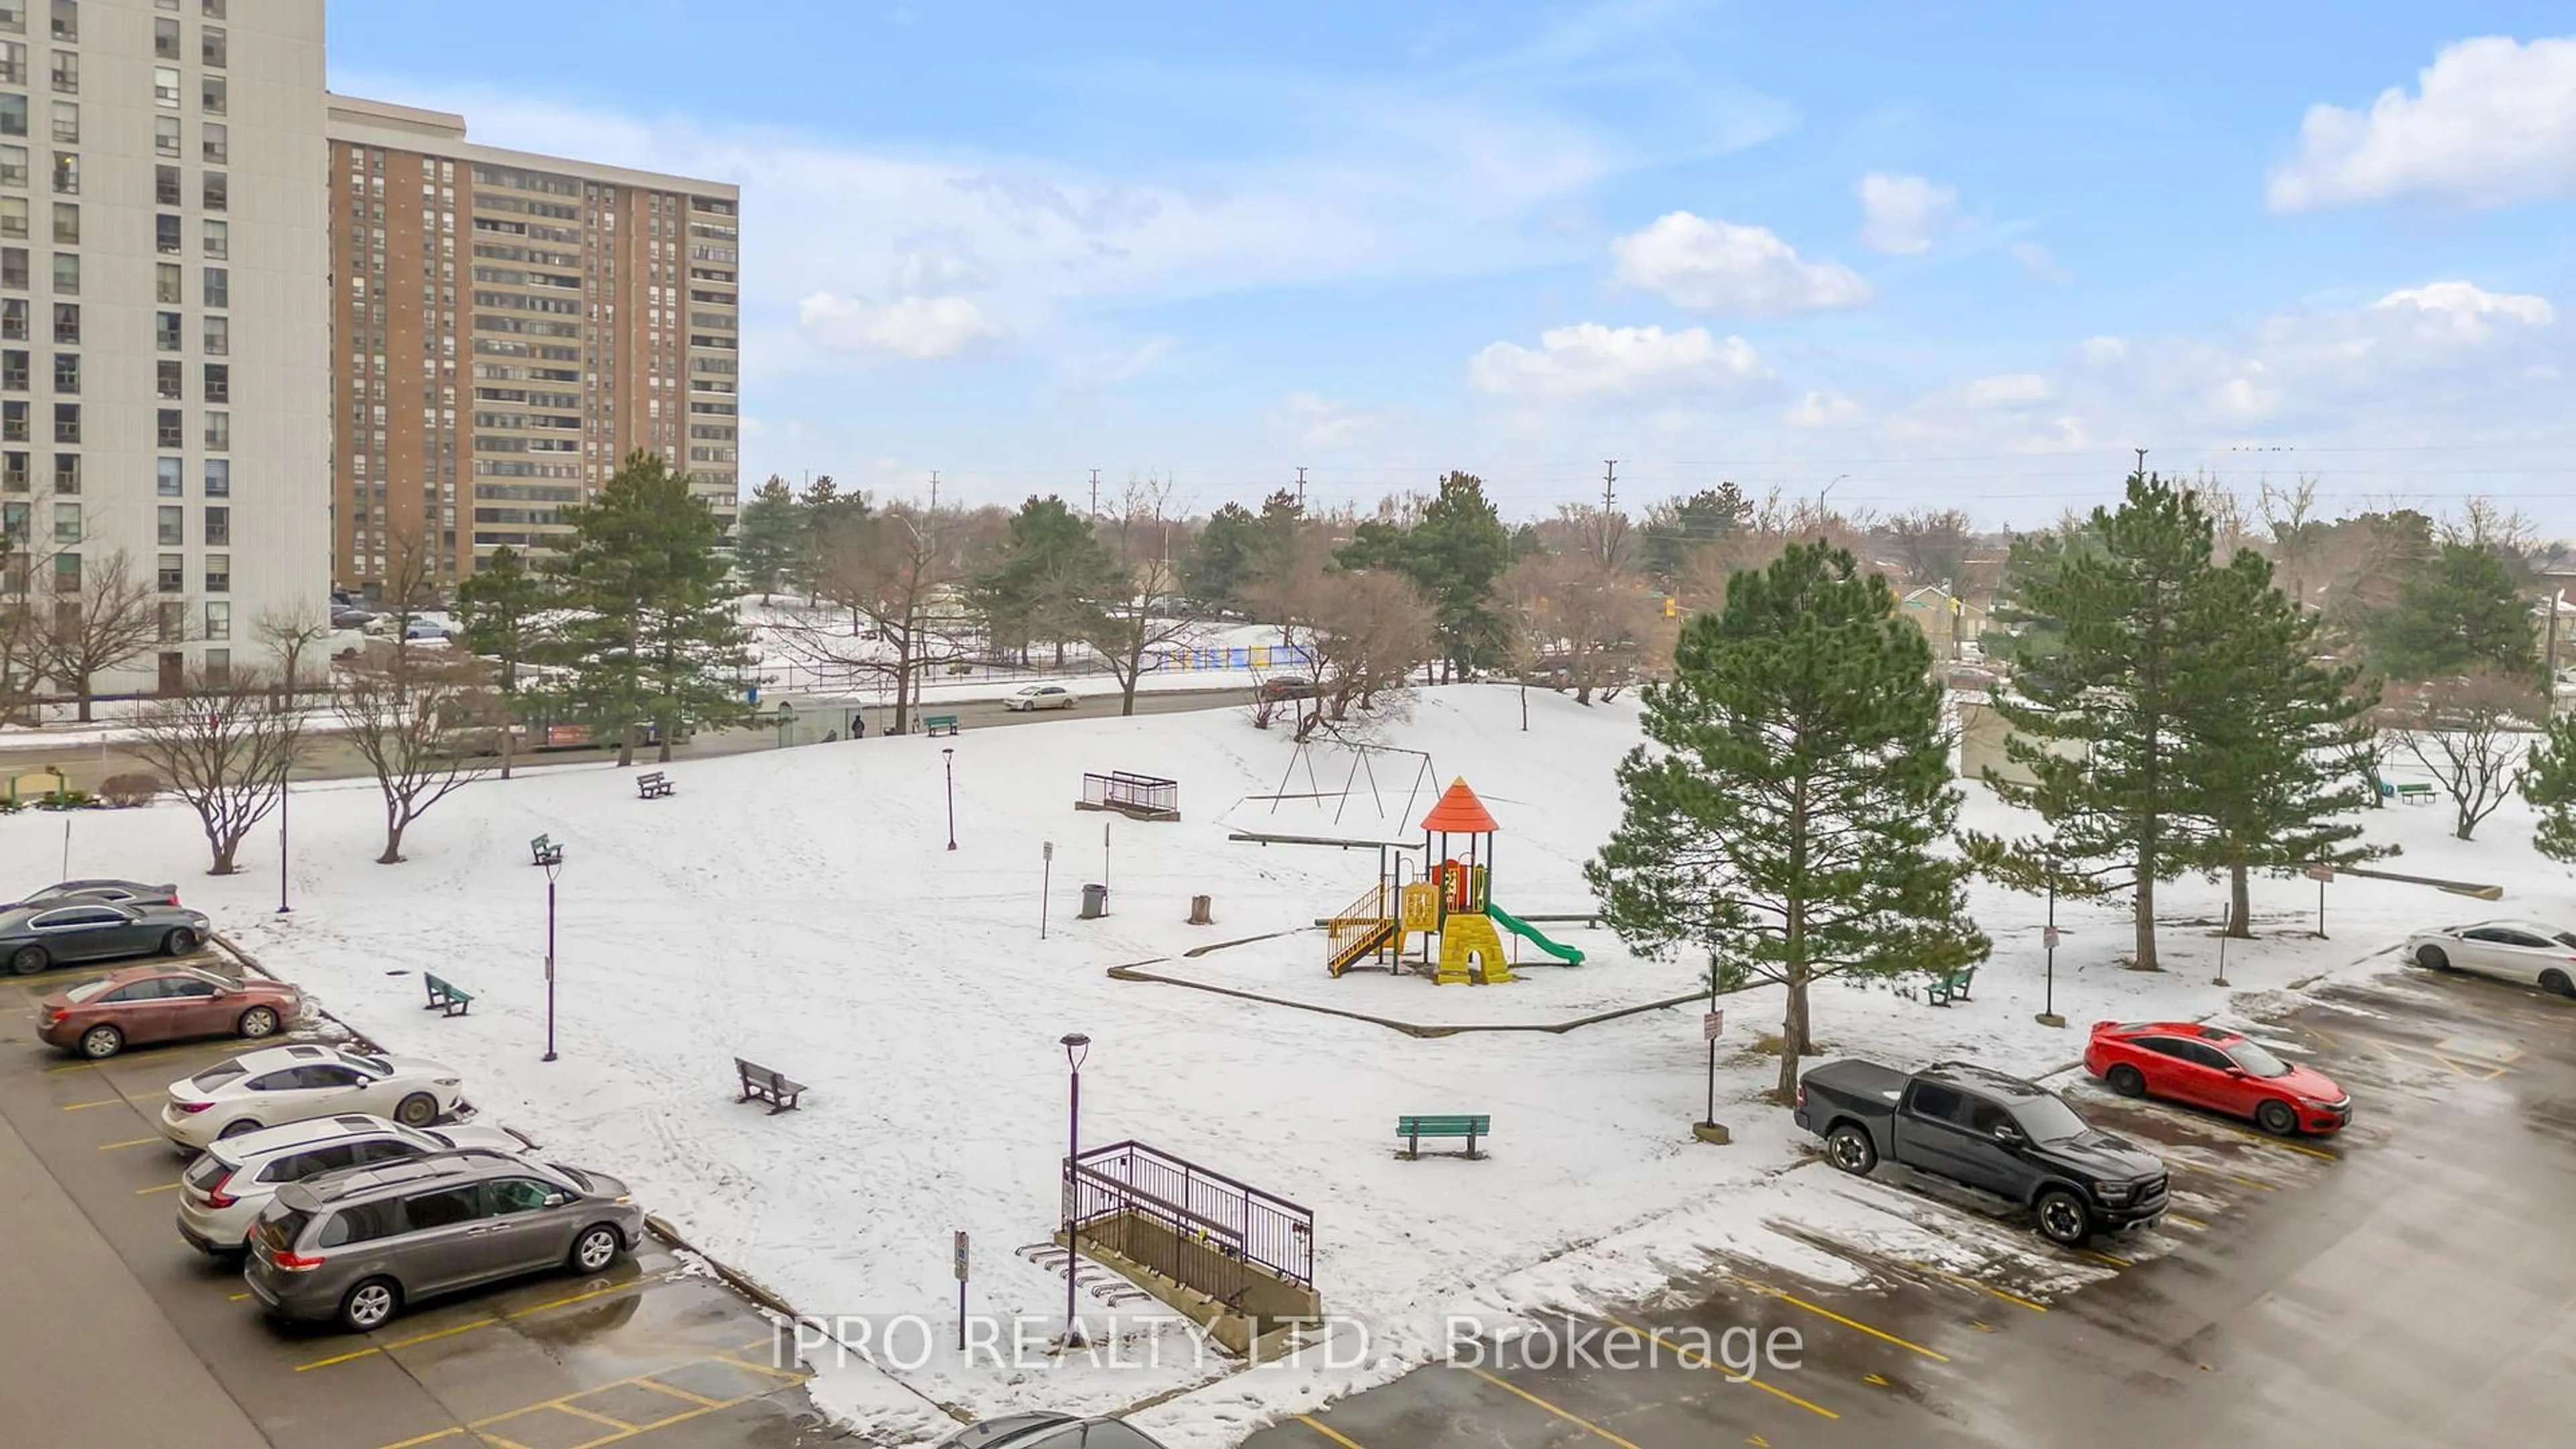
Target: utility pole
<point>2142,459</point>
<point>1609,500</point>
<point>1095,493</point>
<point>934,490</point>
<point>1301,492</point>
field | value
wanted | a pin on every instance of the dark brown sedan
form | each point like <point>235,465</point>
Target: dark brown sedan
<point>145,1004</point>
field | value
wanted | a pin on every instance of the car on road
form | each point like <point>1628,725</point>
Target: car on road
<point>1044,1430</point>
<point>278,1085</point>
<point>142,1005</point>
<point>1040,696</point>
<point>223,1192</point>
<point>2525,952</point>
<point>2210,1066</point>
<point>1989,1131</point>
<point>355,1247</point>
<point>34,938</point>
<point>113,892</point>
<point>1285,686</point>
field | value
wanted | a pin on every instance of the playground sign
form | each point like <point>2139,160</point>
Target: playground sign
<point>1711,1024</point>
<point>2319,872</point>
<point>2050,938</point>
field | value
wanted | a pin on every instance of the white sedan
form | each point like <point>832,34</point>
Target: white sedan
<point>2525,952</point>
<point>299,1083</point>
<point>222,1194</point>
<point>1040,696</point>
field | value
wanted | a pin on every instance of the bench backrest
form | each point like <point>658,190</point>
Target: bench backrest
<point>437,985</point>
<point>762,1075</point>
<point>1451,1123</point>
<point>654,778</point>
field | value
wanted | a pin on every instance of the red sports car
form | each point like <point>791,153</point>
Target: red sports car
<point>2210,1066</point>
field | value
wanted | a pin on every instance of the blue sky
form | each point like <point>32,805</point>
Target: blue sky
<point>1945,254</point>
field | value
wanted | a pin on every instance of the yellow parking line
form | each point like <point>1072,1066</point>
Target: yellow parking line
<point>1967,1282</point>
<point>570,1299</point>
<point>1337,1436</point>
<point>568,1407</point>
<point>2248,1134</point>
<point>235,1297</point>
<point>148,1191</point>
<point>420,1338</point>
<point>2256,1183</point>
<point>1687,1354</point>
<point>2102,1257</point>
<point>1568,1416</point>
<point>2178,1220</point>
<point>85,1106</point>
<point>1823,1312</point>
<point>659,1387</point>
<point>128,1142</point>
<point>416,1442</point>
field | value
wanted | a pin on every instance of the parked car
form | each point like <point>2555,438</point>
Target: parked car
<point>1989,1131</point>
<point>2519,951</point>
<point>1040,696</point>
<point>277,1085</point>
<point>113,892</point>
<point>33,938</point>
<point>354,1247</point>
<point>1286,686</point>
<point>223,1192</point>
<point>2210,1066</point>
<point>140,1005</point>
<point>1044,1430</point>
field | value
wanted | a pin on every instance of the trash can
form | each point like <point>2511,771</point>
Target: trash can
<point>1202,911</point>
<point>1095,902</point>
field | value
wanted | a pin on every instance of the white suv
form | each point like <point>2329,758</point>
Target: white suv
<point>221,1194</point>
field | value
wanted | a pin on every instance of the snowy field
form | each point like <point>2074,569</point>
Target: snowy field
<point>800,908</point>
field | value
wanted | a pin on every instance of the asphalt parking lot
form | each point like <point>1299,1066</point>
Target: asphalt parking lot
<point>120,1334</point>
<point>2405,1282</point>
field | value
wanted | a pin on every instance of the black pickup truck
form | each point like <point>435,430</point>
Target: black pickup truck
<point>1990,1131</point>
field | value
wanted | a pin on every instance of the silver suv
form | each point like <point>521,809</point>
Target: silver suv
<point>355,1246</point>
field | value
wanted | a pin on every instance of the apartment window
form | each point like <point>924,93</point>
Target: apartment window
<point>67,427</point>
<point>170,476</point>
<point>219,573</point>
<point>219,432</point>
<point>167,384</point>
<point>166,282</point>
<point>66,123</point>
<point>219,336</point>
<point>168,429</point>
<point>13,16</point>
<point>219,527</point>
<point>210,45</point>
<point>173,616</point>
<point>14,524</point>
<point>218,288</point>
<point>67,472</point>
<point>165,331</point>
<point>219,619</point>
<point>67,372</point>
<point>216,146</point>
<point>13,371</point>
<point>66,19</point>
<point>165,40</point>
<point>219,666</point>
<point>219,477</point>
<point>219,382</point>
<point>67,173</point>
<point>67,223</point>
<point>165,129</point>
<point>13,318</point>
<point>13,475</point>
<point>173,525</point>
<point>165,94</point>
<point>67,323</point>
<point>67,523</point>
<point>13,62</point>
<point>172,577</point>
<point>13,421</point>
<point>210,95</point>
<point>165,234</point>
<point>13,164</point>
<point>13,115</point>
<point>165,186</point>
<point>218,191</point>
<point>67,72</point>
<point>219,239</point>
<point>67,273</point>
<point>67,569</point>
<point>211,9</point>
<point>13,216</point>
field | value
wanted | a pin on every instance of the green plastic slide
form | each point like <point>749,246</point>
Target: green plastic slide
<point>1530,933</point>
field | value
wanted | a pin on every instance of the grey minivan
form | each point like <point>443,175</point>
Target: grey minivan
<point>355,1246</point>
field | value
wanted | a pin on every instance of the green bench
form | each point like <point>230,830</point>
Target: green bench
<point>1948,986</point>
<point>2416,791</point>
<point>444,997</point>
<point>544,851</point>
<point>939,724</point>
<point>1414,1129</point>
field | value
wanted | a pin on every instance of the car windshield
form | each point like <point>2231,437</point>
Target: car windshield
<point>2047,1119</point>
<point>377,1065</point>
<point>2258,1061</point>
<point>89,990</point>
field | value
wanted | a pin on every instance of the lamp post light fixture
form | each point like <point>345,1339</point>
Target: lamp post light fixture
<point>948,757</point>
<point>553,868</point>
<point>1076,1047</point>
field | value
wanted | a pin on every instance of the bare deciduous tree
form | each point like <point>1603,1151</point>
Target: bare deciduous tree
<point>224,745</point>
<point>894,576</point>
<point>293,632</point>
<point>419,718</point>
<point>1139,615</point>
<point>1366,632</point>
<point>2470,733</point>
<point>111,618</point>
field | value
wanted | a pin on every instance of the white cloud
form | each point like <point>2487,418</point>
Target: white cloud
<point>2492,122</point>
<point>1823,410</point>
<point>1590,360</point>
<point>2011,390</point>
<point>2101,351</point>
<point>1903,214</point>
<point>2465,312</point>
<point>1719,266</point>
<point>1311,420</point>
<point>1111,366</point>
<point>918,327</point>
<point>2039,262</point>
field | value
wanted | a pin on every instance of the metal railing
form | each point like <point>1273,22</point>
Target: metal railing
<point>1234,1227</point>
<point>1119,790</point>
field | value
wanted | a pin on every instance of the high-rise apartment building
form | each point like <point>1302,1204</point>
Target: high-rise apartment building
<point>164,344</point>
<point>506,329</point>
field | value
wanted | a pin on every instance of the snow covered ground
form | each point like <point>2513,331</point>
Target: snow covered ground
<point>799,908</point>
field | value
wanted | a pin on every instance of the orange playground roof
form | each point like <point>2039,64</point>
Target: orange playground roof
<point>1460,813</point>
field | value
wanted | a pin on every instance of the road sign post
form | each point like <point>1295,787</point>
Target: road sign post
<point>961,1290</point>
<point>1712,1025</point>
<point>1046,883</point>
<point>2321,874</point>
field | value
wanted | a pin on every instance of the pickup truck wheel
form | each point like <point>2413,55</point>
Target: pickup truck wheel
<point>2277,1118</point>
<point>2063,1219</point>
<point>1849,1148</point>
<point>2127,1080</point>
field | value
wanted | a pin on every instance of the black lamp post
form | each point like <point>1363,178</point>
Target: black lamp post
<point>282,794</point>
<point>1076,1047</point>
<point>948,757</point>
<point>554,868</point>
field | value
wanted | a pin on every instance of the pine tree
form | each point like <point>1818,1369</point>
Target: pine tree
<point>2549,783</point>
<point>768,537</point>
<point>1220,566</point>
<point>2273,760</point>
<point>1787,815</point>
<point>1050,567</point>
<point>1676,529</point>
<point>2454,611</point>
<point>1453,553</point>
<point>2103,722</point>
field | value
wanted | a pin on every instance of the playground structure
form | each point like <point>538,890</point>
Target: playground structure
<point>1448,897</point>
<point>1351,816</point>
